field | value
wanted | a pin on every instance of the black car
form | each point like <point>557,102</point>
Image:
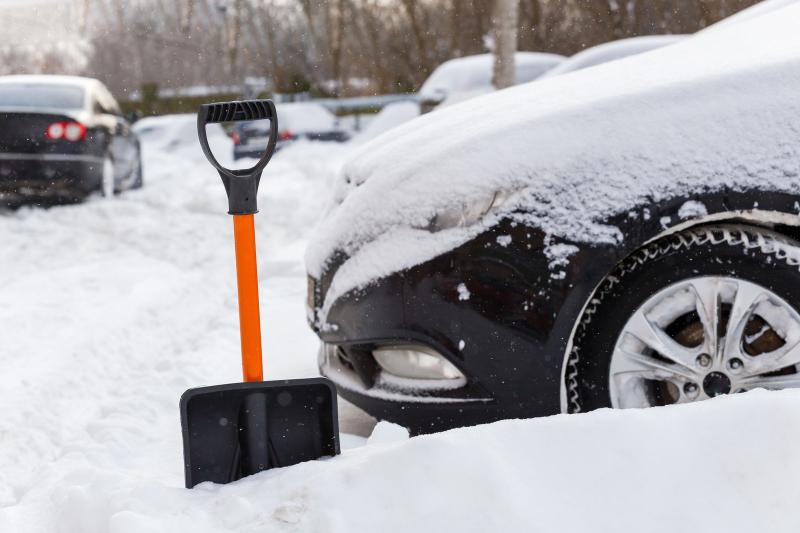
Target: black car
<point>63,138</point>
<point>558,248</point>
<point>298,120</point>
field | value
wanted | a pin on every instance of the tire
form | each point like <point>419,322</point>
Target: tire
<point>732,260</point>
<point>138,181</point>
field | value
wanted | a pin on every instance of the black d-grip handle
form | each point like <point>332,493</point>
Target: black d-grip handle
<point>241,185</point>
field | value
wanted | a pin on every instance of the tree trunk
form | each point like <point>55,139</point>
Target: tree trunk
<point>504,31</point>
<point>416,28</point>
<point>186,14</point>
<point>83,17</point>
<point>232,39</point>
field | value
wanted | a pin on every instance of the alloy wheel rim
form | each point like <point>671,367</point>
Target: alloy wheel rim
<point>703,337</point>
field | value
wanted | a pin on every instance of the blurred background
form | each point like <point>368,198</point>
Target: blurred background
<point>165,56</point>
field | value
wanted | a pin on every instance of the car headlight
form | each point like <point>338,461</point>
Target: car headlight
<point>467,213</point>
<point>415,362</point>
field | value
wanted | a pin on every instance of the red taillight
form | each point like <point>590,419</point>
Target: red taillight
<point>236,139</point>
<point>55,131</point>
<point>74,131</point>
<point>286,135</point>
<point>71,131</point>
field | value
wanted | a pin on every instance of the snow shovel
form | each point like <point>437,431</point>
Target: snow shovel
<point>235,430</point>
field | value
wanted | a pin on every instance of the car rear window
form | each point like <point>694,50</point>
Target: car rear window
<point>40,95</point>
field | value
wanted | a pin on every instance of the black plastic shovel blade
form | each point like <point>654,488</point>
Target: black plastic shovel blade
<point>233,431</point>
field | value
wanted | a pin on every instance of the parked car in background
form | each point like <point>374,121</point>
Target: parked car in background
<point>631,240</point>
<point>388,118</point>
<point>61,139</point>
<point>466,77</point>
<point>296,121</point>
<point>603,53</point>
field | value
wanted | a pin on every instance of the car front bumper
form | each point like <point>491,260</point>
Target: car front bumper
<point>505,338</point>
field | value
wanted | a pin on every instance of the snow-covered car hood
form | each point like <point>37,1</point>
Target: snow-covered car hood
<point>716,110</point>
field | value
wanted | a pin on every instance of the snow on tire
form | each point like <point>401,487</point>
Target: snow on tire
<point>107,178</point>
<point>707,311</point>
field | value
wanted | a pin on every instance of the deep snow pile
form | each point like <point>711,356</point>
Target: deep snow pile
<point>715,110</point>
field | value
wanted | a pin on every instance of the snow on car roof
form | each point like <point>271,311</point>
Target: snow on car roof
<point>473,73</point>
<point>389,117</point>
<point>79,81</point>
<point>301,117</point>
<point>603,53</point>
<point>718,109</point>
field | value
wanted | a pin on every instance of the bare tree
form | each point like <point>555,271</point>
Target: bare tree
<point>341,46</point>
<point>83,16</point>
<point>187,11</point>
<point>504,32</point>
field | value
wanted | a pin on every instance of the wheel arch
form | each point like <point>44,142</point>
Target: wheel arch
<point>778,212</point>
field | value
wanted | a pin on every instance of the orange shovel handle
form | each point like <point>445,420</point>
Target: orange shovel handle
<point>247,280</point>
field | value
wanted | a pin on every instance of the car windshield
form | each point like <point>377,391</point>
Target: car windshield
<point>41,95</point>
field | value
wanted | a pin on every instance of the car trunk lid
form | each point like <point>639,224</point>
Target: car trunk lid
<point>24,132</point>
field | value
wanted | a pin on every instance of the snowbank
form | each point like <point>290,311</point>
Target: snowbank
<point>715,110</point>
<point>729,464</point>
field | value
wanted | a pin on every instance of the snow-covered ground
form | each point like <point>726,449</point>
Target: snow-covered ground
<point>111,309</point>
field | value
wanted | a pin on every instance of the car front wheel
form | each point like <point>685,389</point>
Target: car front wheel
<point>704,312</point>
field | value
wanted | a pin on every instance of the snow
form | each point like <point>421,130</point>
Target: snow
<point>473,74</point>
<point>558,257</point>
<point>603,53</point>
<point>177,135</point>
<point>388,118</point>
<point>504,240</point>
<point>463,292</point>
<point>77,81</point>
<point>305,117</point>
<point>692,209</point>
<point>386,432</point>
<point>113,308</point>
<point>606,471</point>
<point>572,151</point>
